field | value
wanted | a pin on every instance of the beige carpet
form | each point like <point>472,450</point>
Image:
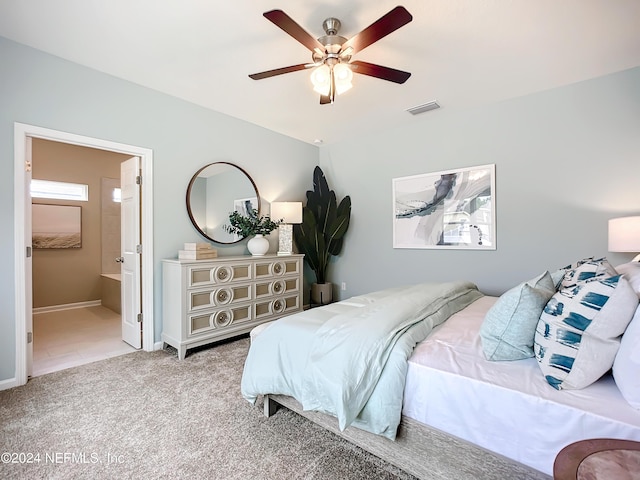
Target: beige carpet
<point>150,416</point>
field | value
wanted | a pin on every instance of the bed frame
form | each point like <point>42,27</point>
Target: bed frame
<point>419,450</point>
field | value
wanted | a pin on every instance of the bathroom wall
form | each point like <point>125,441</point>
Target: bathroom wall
<point>72,275</point>
<point>110,225</point>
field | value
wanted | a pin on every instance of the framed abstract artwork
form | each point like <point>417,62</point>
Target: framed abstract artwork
<point>451,209</point>
<point>56,226</point>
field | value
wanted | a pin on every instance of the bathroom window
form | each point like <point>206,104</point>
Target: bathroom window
<point>59,190</point>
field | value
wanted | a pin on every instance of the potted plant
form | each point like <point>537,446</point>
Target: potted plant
<point>252,225</point>
<point>321,233</point>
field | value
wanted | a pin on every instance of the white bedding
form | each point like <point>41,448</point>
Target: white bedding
<point>506,407</point>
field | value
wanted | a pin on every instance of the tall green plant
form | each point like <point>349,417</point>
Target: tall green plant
<point>324,223</point>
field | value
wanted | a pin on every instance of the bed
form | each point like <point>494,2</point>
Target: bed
<point>452,398</point>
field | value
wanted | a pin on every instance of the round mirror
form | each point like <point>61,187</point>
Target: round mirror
<point>214,192</point>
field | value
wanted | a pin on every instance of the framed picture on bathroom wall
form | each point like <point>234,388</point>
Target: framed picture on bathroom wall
<point>452,209</point>
<point>56,226</point>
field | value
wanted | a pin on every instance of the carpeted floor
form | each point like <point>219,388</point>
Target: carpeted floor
<point>149,415</point>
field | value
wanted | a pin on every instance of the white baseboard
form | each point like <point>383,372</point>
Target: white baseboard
<point>67,306</point>
<point>9,383</point>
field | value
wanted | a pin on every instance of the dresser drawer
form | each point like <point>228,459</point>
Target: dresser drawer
<point>270,288</point>
<point>224,295</point>
<point>276,268</point>
<point>205,322</point>
<point>201,276</point>
<point>280,305</point>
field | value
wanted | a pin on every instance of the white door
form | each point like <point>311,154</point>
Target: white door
<point>130,252</point>
<point>28,291</point>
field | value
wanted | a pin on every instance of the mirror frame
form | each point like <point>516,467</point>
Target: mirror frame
<point>191,182</point>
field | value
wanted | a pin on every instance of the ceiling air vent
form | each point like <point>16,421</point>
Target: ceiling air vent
<point>425,107</point>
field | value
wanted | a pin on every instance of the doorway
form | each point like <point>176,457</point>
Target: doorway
<point>76,285</point>
<point>22,215</point>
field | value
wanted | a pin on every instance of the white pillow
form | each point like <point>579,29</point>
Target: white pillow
<point>631,272</point>
<point>626,367</point>
<point>579,331</point>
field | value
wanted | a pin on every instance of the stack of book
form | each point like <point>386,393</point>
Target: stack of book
<point>197,251</point>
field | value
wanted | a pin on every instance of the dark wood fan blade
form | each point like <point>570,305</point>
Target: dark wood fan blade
<point>382,27</point>
<point>286,23</point>
<point>378,71</point>
<point>278,71</point>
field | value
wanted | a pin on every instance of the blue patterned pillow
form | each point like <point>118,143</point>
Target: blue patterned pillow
<point>587,269</point>
<point>579,331</point>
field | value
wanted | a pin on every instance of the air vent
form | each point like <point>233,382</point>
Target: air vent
<point>425,107</point>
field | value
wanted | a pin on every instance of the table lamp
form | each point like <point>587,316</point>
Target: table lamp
<point>624,235</point>
<point>289,213</point>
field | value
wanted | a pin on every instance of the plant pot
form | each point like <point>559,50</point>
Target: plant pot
<point>321,293</point>
<point>258,245</point>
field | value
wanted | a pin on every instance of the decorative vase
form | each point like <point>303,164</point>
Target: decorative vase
<point>258,245</point>
<point>322,293</point>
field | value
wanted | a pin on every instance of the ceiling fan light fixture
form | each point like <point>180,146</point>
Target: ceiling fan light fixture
<point>342,75</point>
<point>321,79</point>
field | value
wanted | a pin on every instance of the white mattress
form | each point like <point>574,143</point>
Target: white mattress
<point>506,407</point>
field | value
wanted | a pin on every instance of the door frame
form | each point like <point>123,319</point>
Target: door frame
<point>22,135</point>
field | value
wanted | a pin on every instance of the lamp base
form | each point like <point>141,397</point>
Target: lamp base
<point>285,239</point>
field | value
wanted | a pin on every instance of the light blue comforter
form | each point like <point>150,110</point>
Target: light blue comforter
<point>349,359</point>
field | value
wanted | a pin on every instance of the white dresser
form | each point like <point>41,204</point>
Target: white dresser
<point>204,301</point>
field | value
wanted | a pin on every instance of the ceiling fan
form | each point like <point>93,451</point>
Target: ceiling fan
<point>331,54</point>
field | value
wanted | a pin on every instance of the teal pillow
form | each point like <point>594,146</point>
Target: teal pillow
<point>509,326</point>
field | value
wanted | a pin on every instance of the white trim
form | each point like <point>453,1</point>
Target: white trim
<point>9,383</point>
<point>67,306</point>
<point>21,133</point>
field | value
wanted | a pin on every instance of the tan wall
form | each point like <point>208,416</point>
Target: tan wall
<point>62,276</point>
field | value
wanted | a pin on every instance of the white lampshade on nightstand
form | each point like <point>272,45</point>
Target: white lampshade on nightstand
<point>624,235</point>
<point>289,213</point>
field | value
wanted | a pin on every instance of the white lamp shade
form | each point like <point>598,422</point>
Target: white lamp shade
<point>343,76</point>
<point>624,234</point>
<point>321,79</point>
<point>288,212</point>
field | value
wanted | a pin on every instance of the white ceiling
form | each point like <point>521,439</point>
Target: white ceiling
<point>462,53</point>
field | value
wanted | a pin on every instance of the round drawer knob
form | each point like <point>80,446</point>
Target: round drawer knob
<point>278,306</point>
<point>223,274</point>
<point>223,319</point>
<point>278,268</point>
<point>223,296</point>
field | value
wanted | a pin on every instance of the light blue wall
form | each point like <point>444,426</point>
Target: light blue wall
<point>45,91</point>
<point>566,161</point>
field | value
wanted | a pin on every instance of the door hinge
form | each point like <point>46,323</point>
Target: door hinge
<point>138,179</point>
<point>138,248</point>
<point>27,166</point>
<point>29,337</point>
<point>28,252</point>
<point>140,318</point>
